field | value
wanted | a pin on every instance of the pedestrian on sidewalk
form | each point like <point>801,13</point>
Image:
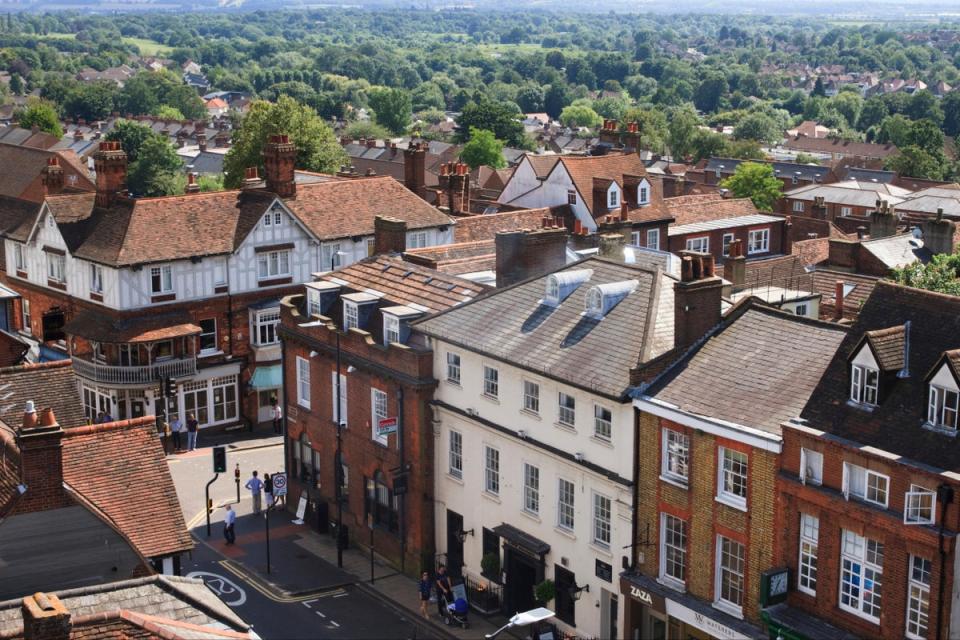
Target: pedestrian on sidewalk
<point>192,427</point>
<point>176,426</point>
<point>444,591</point>
<point>277,414</point>
<point>228,523</point>
<point>425,586</point>
<point>255,485</point>
<point>268,489</point>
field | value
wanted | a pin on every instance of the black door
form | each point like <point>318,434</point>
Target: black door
<point>454,546</point>
<point>566,606</point>
<point>53,326</point>
<point>521,579</point>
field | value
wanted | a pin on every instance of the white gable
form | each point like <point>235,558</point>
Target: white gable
<point>944,378</point>
<point>865,357</point>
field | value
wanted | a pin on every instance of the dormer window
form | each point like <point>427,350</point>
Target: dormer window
<point>351,315</point>
<point>560,285</point>
<point>643,193</point>
<point>613,199</point>
<point>864,383</point>
<point>391,329</point>
<point>553,289</point>
<point>595,302</point>
<point>601,299</point>
<point>357,309</point>
<point>313,302</point>
<point>942,407</point>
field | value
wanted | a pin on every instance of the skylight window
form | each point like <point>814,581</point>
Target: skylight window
<point>560,285</point>
<point>602,298</point>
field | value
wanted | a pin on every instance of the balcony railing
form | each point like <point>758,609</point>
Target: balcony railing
<point>111,374</point>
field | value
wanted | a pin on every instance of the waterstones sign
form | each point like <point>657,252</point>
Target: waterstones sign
<point>702,622</point>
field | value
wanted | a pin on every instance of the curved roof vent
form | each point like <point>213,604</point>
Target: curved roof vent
<point>604,297</point>
<point>561,285</point>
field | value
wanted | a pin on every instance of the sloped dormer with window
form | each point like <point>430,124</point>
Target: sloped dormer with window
<point>875,363</point>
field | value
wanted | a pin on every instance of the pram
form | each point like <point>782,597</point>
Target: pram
<point>457,612</point>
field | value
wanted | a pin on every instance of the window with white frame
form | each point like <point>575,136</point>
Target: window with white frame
<point>920,505</point>
<point>96,278</point>
<point>208,335</point>
<point>351,315</point>
<point>731,563</point>
<point>602,423</point>
<point>566,409</point>
<point>571,196</point>
<point>531,396</point>
<point>675,463</point>
<point>643,195</point>
<point>811,466</point>
<point>273,218</point>
<point>224,398</point>
<point>416,240</point>
<point>265,324</point>
<point>272,264</point>
<point>758,241</point>
<point>19,262</point>
<point>331,256</point>
<point>453,367</point>
<point>602,512</point>
<point>613,199</point>
<point>219,270</point>
<point>531,489</point>
<point>864,383</point>
<point>313,302</point>
<point>807,565</point>
<point>25,312</point>
<point>700,245</point>
<point>653,239</point>
<point>378,412</point>
<point>942,407</point>
<point>732,483</point>
<point>861,575</point>
<point>635,239</point>
<point>56,267</point>
<point>338,404</point>
<point>303,382</point>
<point>391,329</point>
<point>455,455</point>
<point>491,381</point>
<point>161,279</point>
<point>727,241</point>
<point>800,310</point>
<point>866,485</point>
<point>491,470</point>
<point>918,597</point>
<point>566,491</point>
<point>673,550</point>
<point>798,205</point>
<point>846,211</point>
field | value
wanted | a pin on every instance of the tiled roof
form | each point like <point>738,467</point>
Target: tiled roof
<point>887,346</point>
<point>22,168</point>
<point>48,384</point>
<point>17,217</point>
<point>707,207</point>
<point>742,367</point>
<point>895,425</point>
<point>458,258</point>
<point>856,290</point>
<point>100,327</point>
<point>542,165</point>
<point>583,169</point>
<point>403,283</point>
<point>486,226</point>
<point>120,467</point>
<point>344,208</point>
<point>560,342</point>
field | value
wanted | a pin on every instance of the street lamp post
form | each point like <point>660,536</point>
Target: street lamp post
<point>337,471</point>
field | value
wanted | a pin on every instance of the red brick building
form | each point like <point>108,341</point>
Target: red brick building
<point>869,479</point>
<point>361,315</point>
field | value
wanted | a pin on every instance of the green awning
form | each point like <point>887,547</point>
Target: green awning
<point>268,377</point>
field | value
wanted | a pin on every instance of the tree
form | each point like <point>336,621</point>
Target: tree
<point>924,104</point>
<point>16,84</point>
<point>43,114</point>
<point>555,98</point>
<point>366,129</point>
<point>805,158</point>
<point>941,274</point>
<point>682,132</point>
<point>393,108</point>
<point>579,115</point>
<point>914,162</point>
<point>926,135</point>
<point>709,144</point>
<point>90,100</point>
<point>157,171</point>
<point>873,112</point>
<point>483,149</point>
<point>317,147</point>
<point>708,95</point>
<point>759,127</point>
<point>756,181</point>
<point>167,112</point>
<point>818,88</point>
<point>488,115</point>
<point>951,113</point>
<point>743,150</point>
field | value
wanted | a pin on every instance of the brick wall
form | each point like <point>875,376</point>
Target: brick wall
<point>390,369</point>
<point>884,525</point>
<point>706,518</point>
<point>831,210</point>
<point>679,243</point>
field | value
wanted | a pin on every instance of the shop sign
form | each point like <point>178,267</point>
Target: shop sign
<point>702,622</point>
<point>643,596</point>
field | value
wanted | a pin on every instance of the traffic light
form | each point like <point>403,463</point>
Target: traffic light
<point>169,387</point>
<point>219,459</point>
<point>209,505</point>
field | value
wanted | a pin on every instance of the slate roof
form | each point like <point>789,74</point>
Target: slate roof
<point>742,366</point>
<point>930,204</point>
<point>513,325</point>
<point>48,384</point>
<point>898,250</point>
<point>486,226</point>
<point>895,424</point>
<point>121,468</point>
<point>706,207</point>
<point>403,283</point>
<point>186,601</point>
<point>841,147</point>
<point>723,223</point>
<point>844,193</point>
<point>811,172</point>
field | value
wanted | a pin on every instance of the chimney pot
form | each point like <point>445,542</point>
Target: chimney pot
<point>45,618</point>
<point>838,301</point>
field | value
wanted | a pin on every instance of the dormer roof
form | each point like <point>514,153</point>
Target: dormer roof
<point>887,346</point>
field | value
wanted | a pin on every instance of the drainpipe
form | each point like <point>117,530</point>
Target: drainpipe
<point>945,496</point>
<point>636,489</point>
<point>283,412</point>
<point>403,471</point>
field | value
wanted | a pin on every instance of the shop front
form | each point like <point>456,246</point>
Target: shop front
<point>654,612</point>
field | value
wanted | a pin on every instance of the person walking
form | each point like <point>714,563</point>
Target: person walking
<point>424,587</point>
<point>176,426</point>
<point>255,485</point>
<point>444,591</point>
<point>268,489</point>
<point>277,414</point>
<point>192,427</point>
<point>228,523</point>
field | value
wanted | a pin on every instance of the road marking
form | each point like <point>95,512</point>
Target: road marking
<point>222,586</point>
<point>306,603</point>
<point>334,624</point>
<point>341,595</point>
<point>254,582</point>
<point>320,614</point>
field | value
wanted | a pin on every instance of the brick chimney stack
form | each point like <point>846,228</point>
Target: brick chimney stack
<point>251,180</point>
<point>52,176</point>
<point>192,186</point>
<point>735,265</point>
<point>41,461</point>
<point>631,139</point>
<point>279,159</point>
<point>696,298</point>
<point>110,164</point>
<point>458,189</point>
<point>389,235</point>
<point>202,141</point>
<point>45,618</point>
<point>415,168</point>
<point>838,300</point>
<point>526,254</point>
<point>938,234</point>
<point>609,133</point>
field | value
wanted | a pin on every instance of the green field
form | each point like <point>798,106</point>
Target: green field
<point>64,36</point>
<point>149,47</point>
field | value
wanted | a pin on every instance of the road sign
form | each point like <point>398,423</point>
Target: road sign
<point>280,484</point>
<point>386,426</point>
